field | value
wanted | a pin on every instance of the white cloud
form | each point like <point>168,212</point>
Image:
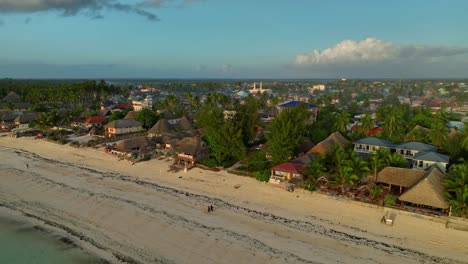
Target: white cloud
<point>226,68</point>
<point>374,50</point>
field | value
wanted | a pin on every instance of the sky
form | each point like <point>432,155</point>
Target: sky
<point>101,39</point>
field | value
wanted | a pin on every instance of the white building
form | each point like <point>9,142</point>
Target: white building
<point>317,87</point>
<point>254,89</point>
<point>139,105</point>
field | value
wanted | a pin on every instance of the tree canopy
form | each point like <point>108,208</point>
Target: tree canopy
<point>285,132</point>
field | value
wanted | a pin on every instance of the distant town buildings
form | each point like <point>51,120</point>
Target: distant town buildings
<point>260,90</point>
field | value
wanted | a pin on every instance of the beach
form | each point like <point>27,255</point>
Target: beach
<point>142,213</point>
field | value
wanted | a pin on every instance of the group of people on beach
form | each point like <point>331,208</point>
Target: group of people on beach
<point>210,208</point>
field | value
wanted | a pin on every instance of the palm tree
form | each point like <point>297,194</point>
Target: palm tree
<point>367,123</point>
<point>465,137</point>
<point>396,160</point>
<point>439,133</point>
<point>316,169</point>
<point>378,160</point>
<point>392,123</point>
<point>190,99</point>
<point>456,190</point>
<point>357,164</point>
<point>44,122</point>
<point>341,122</point>
<point>345,176</point>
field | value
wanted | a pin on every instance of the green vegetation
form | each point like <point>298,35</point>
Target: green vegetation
<point>147,117</point>
<point>390,200</point>
<point>263,175</point>
<point>285,132</point>
<point>456,192</point>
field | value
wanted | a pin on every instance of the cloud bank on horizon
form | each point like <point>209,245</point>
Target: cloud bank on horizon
<point>92,8</point>
<point>372,50</point>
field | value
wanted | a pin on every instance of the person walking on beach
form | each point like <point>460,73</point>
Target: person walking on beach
<point>27,165</point>
<point>211,208</point>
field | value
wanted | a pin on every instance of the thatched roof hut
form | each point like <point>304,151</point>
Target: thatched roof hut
<point>399,176</point>
<point>427,191</point>
<point>133,144</point>
<point>327,145</point>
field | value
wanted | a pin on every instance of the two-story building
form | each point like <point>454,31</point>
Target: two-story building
<point>371,145</point>
<point>409,149</point>
<point>424,160</point>
<point>122,126</point>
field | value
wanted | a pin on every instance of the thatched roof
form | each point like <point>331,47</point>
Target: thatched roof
<point>327,145</point>
<point>185,124</point>
<point>26,118</point>
<point>133,143</point>
<point>123,123</point>
<point>399,176</point>
<point>9,117</point>
<point>191,146</point>
<point>161,127</point>
<point>130,115</point>
<point>427,191</point>
<point>12,97</point>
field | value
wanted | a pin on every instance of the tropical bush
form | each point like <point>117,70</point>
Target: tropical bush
<point>390,200</point>
<point>263,176</point>
<point>456,191</point>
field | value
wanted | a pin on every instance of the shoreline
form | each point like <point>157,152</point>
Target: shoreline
<point>268,217</point>
<point>53,233</point>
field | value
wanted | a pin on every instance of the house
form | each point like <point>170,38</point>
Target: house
<point>93,121</point>
<point>163,126</point>
<point>8,120</point>
<point>400,178</point>
<point>428,191</point>
<point>313,109</point>
<point>326,146</point>
<point>409,149</point>
<point>286,171</point>
<point>122,126</point>
<point>371,145</point>
<point>22,121</point>
<point>137,147</point>
<point>424,160</point>
<point>190,150</point>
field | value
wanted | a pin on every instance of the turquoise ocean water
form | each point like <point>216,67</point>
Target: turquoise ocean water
<point>21,243</point>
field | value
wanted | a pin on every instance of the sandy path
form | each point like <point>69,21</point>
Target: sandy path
<point>142,214</point>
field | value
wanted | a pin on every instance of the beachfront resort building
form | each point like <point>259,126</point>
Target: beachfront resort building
<point>122,127</point>
<point>417,190</point>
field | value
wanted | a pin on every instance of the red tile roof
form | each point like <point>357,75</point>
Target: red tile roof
<point>94,120</point>
<point>374,131</point>
<point>289,168</point>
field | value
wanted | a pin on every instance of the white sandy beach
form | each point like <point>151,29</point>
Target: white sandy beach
<point>143,214</point>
